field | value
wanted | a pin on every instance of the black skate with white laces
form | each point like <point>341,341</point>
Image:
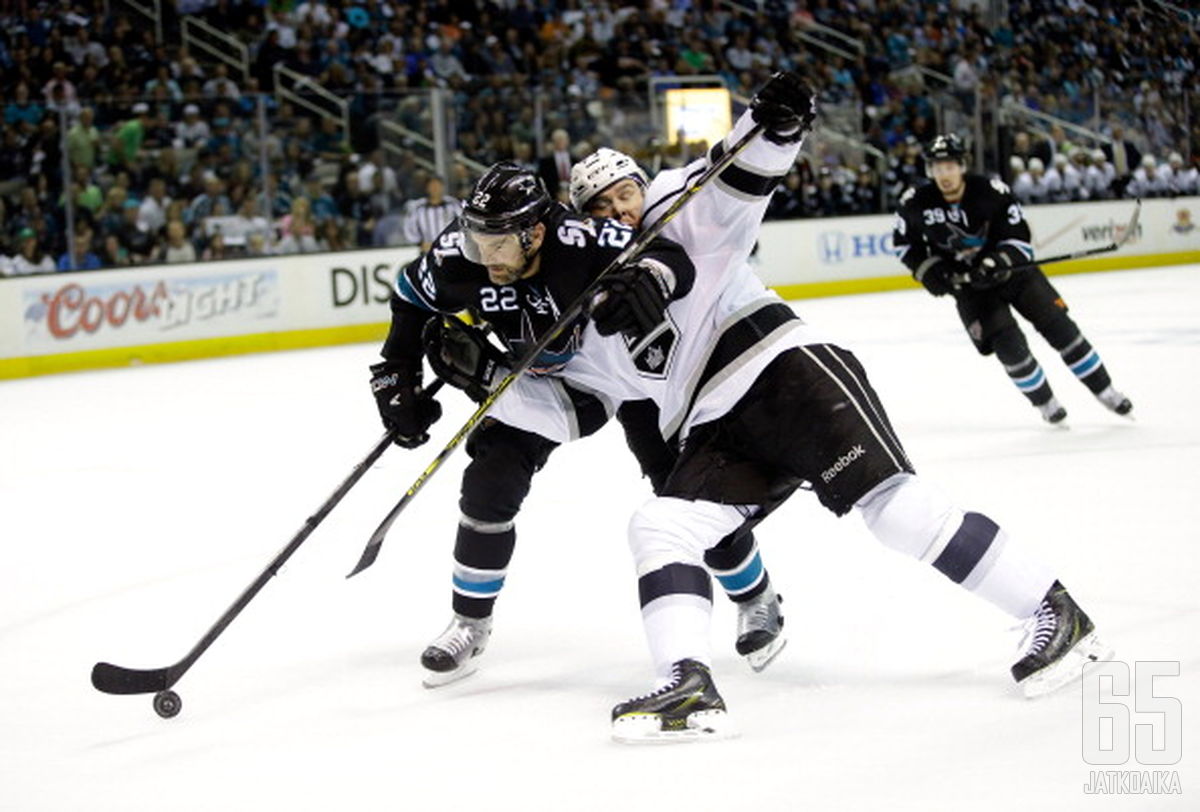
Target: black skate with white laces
<point>688,708</point>
<point>455,652</point>
<point>1062,641</point>
<point>760,629</point>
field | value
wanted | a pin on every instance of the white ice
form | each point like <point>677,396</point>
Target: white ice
<point>136,504</point>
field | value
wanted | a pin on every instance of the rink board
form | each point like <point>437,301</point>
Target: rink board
<point>71,321</point>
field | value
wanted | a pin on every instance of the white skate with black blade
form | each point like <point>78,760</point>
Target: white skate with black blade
<point>1062,641</point>
<point>688,708</point>
<point>760,629</point>
<point>456,651</point>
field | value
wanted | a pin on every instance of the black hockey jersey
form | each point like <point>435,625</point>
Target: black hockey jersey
<point>987,221</point>
<point>574,252</point>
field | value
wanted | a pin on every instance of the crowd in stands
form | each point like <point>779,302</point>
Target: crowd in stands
<point>160,156</point>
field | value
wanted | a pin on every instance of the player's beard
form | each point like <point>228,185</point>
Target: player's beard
<point>505,274</point>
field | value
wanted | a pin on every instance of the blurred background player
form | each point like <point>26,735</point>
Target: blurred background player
<point>966,235</point>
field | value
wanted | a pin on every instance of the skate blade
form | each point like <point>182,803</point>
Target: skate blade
<point>1068,669</point>
<point>436,679</point>
<point>646,728</point>
<point>766,655</point>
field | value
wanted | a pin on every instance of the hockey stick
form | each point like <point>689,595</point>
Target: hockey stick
<point>963,280</point>
<point>577,307</point>
<point>115,679</point>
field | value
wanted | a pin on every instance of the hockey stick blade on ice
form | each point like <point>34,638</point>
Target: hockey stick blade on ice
<point>371,551</point>
<point>116,679</point>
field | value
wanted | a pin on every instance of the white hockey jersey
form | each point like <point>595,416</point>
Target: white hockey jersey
<point>717,339</point>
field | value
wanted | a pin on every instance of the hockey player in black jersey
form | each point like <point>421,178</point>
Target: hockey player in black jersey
<point>514,263</point>
<point>966,236</point>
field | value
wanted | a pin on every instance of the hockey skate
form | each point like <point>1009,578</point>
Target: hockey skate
<point>688,708</point>
<point>1115,401</point>
<point>455,653</point>
<point>760,629</point>
<point>1062,641</point>
<point>1052,411</point>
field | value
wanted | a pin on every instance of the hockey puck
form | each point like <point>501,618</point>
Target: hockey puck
<point>167,704</point>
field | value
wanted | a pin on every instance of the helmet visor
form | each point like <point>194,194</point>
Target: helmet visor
<point>493,249</point>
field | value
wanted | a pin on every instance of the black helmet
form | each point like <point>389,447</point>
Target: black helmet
<point>506,200</point>
<point>948,147</point>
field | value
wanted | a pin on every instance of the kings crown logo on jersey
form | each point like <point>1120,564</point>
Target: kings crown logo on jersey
<point>652,355</point>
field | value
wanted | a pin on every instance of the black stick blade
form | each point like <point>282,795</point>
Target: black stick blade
<point>113,679</point>
<point>369,554</point>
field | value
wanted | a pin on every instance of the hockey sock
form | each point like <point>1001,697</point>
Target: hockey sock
<point>968,548</point>
<point>676,614</point>
<point>481,555</point>
<point>738,567</point>
<point>1028,377</point>
<point>1082,359</point>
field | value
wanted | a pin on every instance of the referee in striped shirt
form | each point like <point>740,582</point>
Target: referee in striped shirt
<point>427,216</point>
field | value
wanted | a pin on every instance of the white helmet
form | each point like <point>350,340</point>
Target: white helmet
<point>1036,165</point>
<point>1017,164</point>
<point>598,171</point>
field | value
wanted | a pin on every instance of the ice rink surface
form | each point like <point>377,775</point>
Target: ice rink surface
<point>136,504</point>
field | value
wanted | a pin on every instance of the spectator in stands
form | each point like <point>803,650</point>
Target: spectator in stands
<point>84,192</point>
<point>23,111</point>
<point>298,230</point>
<point>177,248</point>
<point>135,239</point>
<point>787,201</point>
<point>152,214</point>
<point>60,89</point>
<point>1185,180</point>
<point>330,142</point>
<point>192,131</point>
<point>82,258</point>
<point>213,202</point>
<point>378,181</point>
<point>1021,180</point>
<point>30,257</point>
<point>220,86</point>
<point>83,140</point>
<point>1148,180</point>
<point>112,253</point>
<point>216,248</point>
<point>332,237</point>
<point>426,217</point>
<point>555,168</point>
<point>127,143</point>
<point>1099,176</point>
<point>1124,156</point>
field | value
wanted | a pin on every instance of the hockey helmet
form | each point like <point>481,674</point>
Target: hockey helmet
<point>600,170</point>
<point>946,147</point>
<point>506,200</point>
<point>500,215</point>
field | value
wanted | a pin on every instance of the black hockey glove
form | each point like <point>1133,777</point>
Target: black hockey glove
<point>462,356</point>
<point>633,299</point>
<point>406,410</point>
<point>992,271</point>
<point>786,107</point>
<point>943,276</point>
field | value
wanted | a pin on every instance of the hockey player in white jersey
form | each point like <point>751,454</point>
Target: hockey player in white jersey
<point>762,403</point>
